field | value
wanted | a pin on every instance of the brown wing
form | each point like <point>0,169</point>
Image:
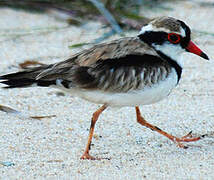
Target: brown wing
<point>127,73</point>
<point>88,58</point>
<point>114,50</point>
<point>120,65</point>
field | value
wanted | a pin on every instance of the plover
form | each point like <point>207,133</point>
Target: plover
<point>130,71</point>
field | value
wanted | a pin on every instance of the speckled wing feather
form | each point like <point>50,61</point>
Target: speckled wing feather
<point>112,50</point>
<point>118,66</point>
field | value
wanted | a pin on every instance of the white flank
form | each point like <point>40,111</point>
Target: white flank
<point>144,96</point>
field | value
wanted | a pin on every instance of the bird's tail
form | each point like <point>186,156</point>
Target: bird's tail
<point>27,78</point>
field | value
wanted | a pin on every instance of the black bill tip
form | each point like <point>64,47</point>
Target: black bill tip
<point>203,55</point>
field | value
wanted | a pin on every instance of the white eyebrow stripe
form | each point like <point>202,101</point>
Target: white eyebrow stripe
<point>150,27</point>
<point>183,33</point>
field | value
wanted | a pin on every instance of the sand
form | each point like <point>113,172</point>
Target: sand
<point>50,148</point>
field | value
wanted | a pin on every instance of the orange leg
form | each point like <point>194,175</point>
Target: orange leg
<point>95,117</point>
<point>186,138</point>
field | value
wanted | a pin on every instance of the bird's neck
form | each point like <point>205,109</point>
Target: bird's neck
<point>161,45</point>
<point>178,68</point>
<point>171,51</point>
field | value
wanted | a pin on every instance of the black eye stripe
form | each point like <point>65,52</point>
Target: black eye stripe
<point>186,29</point>
<point>185,41</point>
<point>151,37</point>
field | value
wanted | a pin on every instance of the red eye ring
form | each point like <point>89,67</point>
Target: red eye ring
<point>174,38</point>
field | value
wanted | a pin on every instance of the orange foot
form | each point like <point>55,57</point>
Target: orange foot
<point>186,138</point>
<point>89,157</point>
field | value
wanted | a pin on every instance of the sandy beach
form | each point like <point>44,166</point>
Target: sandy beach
<point>50,148</point>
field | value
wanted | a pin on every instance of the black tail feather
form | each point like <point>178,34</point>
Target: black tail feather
<point>18,83</point>
<point>26,74</point>
<point>21,83</point>
<point>24,79</point>
<point>28,78</point>
<point>17,75</point>
<point>19,79</point>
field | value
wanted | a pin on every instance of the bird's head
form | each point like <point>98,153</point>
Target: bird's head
<point>170,37</point>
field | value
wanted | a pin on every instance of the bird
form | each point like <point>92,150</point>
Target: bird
<point>129,71</point>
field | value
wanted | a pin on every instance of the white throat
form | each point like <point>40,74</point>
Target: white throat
<point>172,51</point>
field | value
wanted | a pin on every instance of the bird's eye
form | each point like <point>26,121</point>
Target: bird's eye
<point>174,38</point>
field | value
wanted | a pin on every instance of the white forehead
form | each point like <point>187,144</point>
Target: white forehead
<point>150,27</point>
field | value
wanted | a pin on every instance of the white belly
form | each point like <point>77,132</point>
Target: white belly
<point>145,96</point>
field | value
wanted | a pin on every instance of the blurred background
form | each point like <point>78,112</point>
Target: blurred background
<point>98,20</point>
<point>120,14</point>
